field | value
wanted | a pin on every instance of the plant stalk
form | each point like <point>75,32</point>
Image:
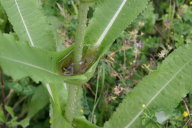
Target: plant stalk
<point>80,34</point>
<point>74,91</point>
<point>73,102</point>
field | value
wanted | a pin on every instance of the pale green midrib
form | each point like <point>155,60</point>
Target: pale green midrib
<point>156,95</point>
<point>24,24</point>
<point>50,91</point>
<point>33,45</point>
<point>29,65</point>
<point>110,24</point>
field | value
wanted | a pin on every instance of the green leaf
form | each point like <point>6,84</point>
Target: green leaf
<point>24,123</point>
<point>58,94</point>
<point>21,87</point>
<point>87,0</point>
<point>81,122</point>
<point>39,100</point>
<point>110,19</point>
<point>57,119</point>
<point>161,90</point>
<point>29,23</point>
<point>2,116</point>
<point>19,60</point>
<point>3,18</point>
<point>10,111</point>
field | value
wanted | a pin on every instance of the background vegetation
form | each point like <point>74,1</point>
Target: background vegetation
<point>164,26</point>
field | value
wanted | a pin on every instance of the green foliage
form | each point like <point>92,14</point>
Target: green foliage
<point>109,20</point>
<point>43,65</point>
<point>83,123</point>
<point>29,23</point>
<point>22,86</point>
<point>87,0</point>
<point>3,19</point>
<point>39,100</point>
<point>52,62</point>
<point>57,118</point>
<point>25,60</point>
<point>2,116</point>
<point>156,90</point>
<point>31,51</point>
<point>58,97</point>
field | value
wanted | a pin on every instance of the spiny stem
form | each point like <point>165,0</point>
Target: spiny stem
<point>73,102</point>
<point>74,91</point>
<point>80,34</point>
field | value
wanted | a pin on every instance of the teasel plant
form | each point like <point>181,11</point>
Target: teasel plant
<point>31,51</point>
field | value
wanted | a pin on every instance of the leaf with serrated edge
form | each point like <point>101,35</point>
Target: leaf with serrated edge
<point>161,90</point>
<point>20,60</point>
<point>111,17</point>
<point>29,23</point>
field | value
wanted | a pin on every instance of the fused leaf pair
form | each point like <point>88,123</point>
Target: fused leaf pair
<point>37,60</point>
<point>161,90</point>
<point>20,60</point>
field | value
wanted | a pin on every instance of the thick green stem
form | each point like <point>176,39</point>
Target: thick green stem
<point>80,34</point>
<point>73,103</point>
<point>74,91</point>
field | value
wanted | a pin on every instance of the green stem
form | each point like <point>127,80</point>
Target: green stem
<point>74,91</point>
<point>80,34</point>
<point>73,103</point>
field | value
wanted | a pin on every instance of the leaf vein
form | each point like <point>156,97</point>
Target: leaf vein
<point>99,41</point>
<point>24,23</point>
<point>156,95</point>
<point>28,64</point>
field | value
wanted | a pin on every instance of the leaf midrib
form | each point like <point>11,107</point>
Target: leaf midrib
<point>24,24</point>
<point>157,94</point>
<point>110,24</point>
<point>29,65</point>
